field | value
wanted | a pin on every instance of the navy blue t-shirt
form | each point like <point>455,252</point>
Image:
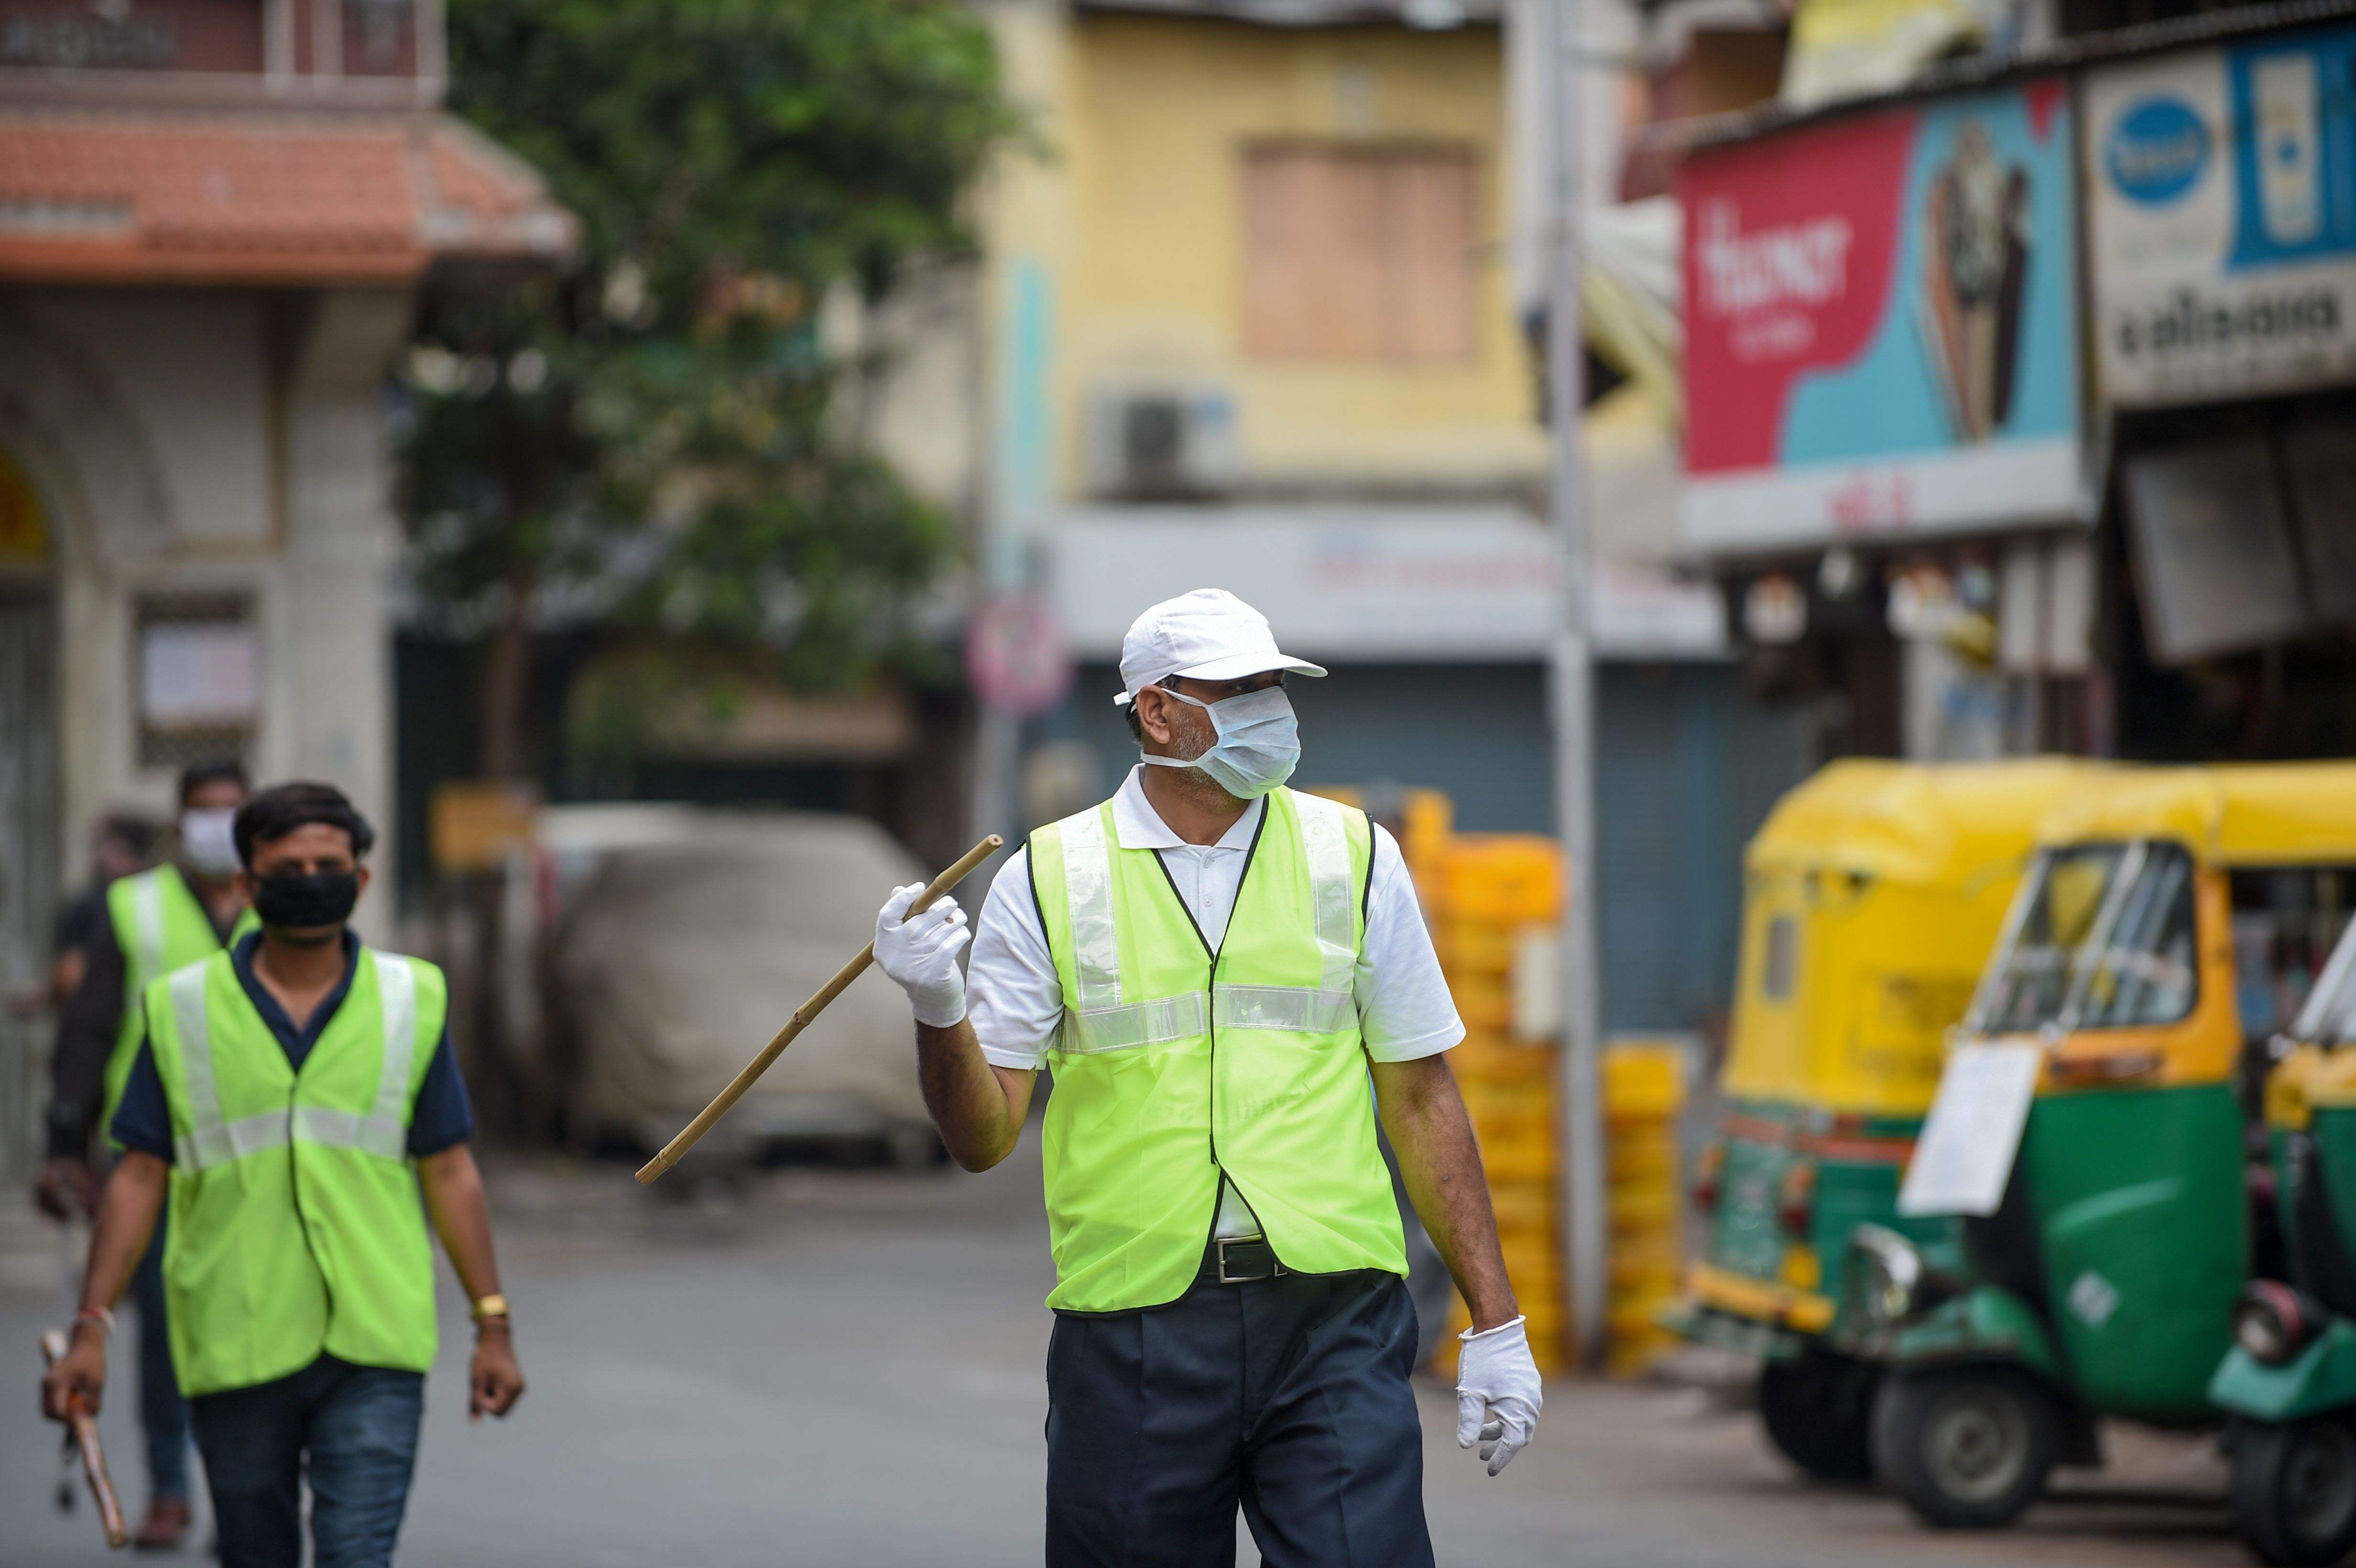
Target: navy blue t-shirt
<point>441,1119</point>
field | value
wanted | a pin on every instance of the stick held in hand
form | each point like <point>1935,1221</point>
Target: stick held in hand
<point>676,1149</point>
<point>83,1430</point>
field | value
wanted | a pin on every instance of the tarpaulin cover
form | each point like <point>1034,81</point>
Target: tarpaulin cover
<point>678,961</point>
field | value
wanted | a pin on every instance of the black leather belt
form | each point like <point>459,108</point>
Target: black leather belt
<point>1241,1260</point>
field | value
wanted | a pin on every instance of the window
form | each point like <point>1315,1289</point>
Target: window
<point>1361,254</point>
<point>2106,941</point>
<point>2145,973</point>
<point>1782,957</point>
<point>200,680</point>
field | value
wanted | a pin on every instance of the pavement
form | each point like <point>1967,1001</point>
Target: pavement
<point>845,1366</point>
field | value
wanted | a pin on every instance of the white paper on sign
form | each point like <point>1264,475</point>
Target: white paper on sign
<point>1964,1154</point>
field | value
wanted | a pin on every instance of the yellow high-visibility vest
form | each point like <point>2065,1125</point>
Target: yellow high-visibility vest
<point>1175,1063</point>
<point>297,1225</point>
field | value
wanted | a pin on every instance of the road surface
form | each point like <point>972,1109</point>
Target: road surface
<point>845,1367</point>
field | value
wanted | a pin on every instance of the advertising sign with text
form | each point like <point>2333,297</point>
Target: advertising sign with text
<point>2222,219</point>
<point>1882,334</point>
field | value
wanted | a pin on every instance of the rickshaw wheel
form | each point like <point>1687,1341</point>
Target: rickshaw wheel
<point>1817,1408</point>
<point>2295,1490</point>
<point>1966,1447</point>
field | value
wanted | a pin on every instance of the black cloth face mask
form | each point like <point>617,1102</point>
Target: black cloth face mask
<point>300,900</point>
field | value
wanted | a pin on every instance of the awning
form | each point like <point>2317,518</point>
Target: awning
<point>145,196</point>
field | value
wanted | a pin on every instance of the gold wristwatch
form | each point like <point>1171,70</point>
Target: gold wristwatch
<point>490,1307</point>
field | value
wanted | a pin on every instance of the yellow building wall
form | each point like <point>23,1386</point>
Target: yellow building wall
<point>1149,138</point>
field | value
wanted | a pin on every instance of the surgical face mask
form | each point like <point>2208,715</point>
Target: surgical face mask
<point>205,840</point>
<point>1258,744</point>
<point>305,901</point>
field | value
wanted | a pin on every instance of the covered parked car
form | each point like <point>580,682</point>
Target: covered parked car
<point>684,938</point>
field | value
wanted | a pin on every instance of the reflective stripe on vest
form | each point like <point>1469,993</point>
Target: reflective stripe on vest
<point>1103,1023</point>
<point>213,1141</point>
<point>147,910</point>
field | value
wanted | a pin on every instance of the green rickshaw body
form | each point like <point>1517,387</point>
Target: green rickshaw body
<point>2311,1143</point>
<point>2320,1380</point>
<point>2139,1199</point>
<point>2135,1200</point>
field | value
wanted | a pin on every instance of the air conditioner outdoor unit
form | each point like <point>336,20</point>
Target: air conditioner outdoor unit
<point>1160,444</point>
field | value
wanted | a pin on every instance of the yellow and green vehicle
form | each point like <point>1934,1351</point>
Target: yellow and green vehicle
<point>2288,1384</point>
<point>1872,895</point>
<point>2168,914</point>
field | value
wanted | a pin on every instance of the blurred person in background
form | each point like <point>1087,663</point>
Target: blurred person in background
<point>149,923</point>
<point>119,844</point>
<point>1211,965</point>
<point>302,1323</point>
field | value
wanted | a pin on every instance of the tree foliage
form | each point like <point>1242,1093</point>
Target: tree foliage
<point>653,436</point>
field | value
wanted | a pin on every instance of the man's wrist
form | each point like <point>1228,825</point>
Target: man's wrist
<point>1495,1315</point>
<point>939,1006</point>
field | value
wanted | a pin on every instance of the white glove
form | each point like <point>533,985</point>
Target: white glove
<point>1497,1393</point>
<point>920,952</point>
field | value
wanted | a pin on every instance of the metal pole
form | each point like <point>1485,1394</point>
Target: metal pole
<point>1579,1108</point>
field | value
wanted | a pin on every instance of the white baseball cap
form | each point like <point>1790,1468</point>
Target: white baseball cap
<point>1208,635</point>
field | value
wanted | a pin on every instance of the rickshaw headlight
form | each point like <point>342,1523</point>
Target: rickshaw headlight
<point>1883,1270</point>
<point>2273,1322</point>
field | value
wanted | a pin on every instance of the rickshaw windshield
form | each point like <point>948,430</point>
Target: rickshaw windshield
<point>2103,938</point>
<point>2329,1015</point>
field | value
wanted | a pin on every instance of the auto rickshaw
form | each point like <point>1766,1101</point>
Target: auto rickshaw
<point>1872,894</point>
<point>2163,909</point>
<point>2288,1385</point>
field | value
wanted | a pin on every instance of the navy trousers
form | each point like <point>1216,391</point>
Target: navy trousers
<point>1287,1397</point>
<point>352,1429</point>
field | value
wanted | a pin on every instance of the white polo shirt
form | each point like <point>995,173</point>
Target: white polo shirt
<point>1016,1000</point>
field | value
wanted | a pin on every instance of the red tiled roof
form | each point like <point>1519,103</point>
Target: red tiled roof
<point>132,196</point>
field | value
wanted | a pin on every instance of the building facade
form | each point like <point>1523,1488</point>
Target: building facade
<point>214,219</point>
<point>1257,317</point>
<point>2030,431</point>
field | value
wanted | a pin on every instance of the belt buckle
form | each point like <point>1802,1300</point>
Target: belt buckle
<point>1274,1267</point>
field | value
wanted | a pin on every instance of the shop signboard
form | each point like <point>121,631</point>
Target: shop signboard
<point>2222,220</point>
<point>1881,326</point>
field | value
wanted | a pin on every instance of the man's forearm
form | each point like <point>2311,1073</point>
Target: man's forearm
<point>978,1107</point>
<point>453,1184</point>
<point>126,1222</point>
<point>1441,1160</point>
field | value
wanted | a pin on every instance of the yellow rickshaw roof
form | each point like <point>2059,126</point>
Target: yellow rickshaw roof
<point>1914,822</point>
<point>2243,813</point>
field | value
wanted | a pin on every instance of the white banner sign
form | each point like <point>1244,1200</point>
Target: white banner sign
<point>1964,1155</point>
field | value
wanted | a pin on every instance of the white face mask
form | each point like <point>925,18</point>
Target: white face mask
<point>206,843</point>
<point>1258,744</point>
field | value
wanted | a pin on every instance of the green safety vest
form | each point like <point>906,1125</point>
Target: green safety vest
<point>1173,1064</point>
<point>159,924</point>
<point>297,1225</point>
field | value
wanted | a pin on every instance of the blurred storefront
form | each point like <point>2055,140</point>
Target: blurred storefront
<point>214,216</point>
<point>2221,232</point>
<point>1885,454</point>
<point>1934,522</point>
